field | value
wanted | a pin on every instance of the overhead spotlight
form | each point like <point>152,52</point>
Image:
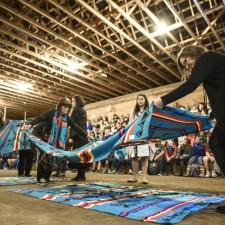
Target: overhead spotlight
<point>162,28</point>
<point>104,75</point>
<point>73,66</point>
<point>23,86</point>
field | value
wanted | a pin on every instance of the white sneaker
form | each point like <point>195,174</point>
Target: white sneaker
<point>214,174</point>
<point>207,174</point>
<point>112,171</point>
<point>61,174</point>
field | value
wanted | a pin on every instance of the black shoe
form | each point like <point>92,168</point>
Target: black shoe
<point>132,181</point>
<point>221,209</point>
<point>78,179</point>
<point>56,174</point>
<point>47,180</point>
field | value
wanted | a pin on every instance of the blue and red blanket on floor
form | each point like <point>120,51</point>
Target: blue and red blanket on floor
<point>138,203</point>
<point>8,181</point>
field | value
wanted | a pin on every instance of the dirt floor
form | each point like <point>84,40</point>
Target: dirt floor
<point>16,209</point>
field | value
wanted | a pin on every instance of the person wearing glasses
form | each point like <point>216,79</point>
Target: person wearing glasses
<point>208,68</point>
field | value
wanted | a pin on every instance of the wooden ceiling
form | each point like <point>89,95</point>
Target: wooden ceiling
<point>117,41</point>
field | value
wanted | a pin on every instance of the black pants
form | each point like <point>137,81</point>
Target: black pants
<point>3,162</point>
<point>217,145</point>
<point>25,162</point>
<point>81,167</point>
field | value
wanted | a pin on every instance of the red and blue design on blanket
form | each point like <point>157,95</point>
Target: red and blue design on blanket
<point>13,137</point>
<point>166,123</point>
<point>150,205</point>
<point>154,122</point>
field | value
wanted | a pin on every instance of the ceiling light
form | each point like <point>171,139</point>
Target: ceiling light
<point>72,66</point>
<point>23,86</point>
<point>103,75</point>
<point>162,28</point>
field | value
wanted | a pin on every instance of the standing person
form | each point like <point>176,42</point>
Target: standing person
<point>25,162</point>
<point>56,123</point>
<point>26,154</point>
<point>139,151</point>
<point>3,160</point>
<point>207,67</point>
<point>79,116</point>
<point>2,122</point>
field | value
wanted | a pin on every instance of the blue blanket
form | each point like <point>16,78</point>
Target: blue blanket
<point>13,137</point>
<point>163,124</point>
<point>150,205</point>
<point>7,181</point>
<point>153,123</point>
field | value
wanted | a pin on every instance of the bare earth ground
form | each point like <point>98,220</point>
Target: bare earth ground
<point>16,209</point>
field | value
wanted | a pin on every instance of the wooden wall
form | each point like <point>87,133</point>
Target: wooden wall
<point>125,104</point>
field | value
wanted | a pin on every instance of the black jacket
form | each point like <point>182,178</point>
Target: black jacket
<point>79,116</point>
<point>209,69</point>
<point>44,124</point>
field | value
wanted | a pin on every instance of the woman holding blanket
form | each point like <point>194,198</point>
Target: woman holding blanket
<point>79,116</point>
<point>56,123</point>
<point>208,68</point>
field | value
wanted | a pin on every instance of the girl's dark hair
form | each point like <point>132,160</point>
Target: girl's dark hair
<point>64,102</point>
<point>188,141</point>
<point>80,102</point>
<point>137,108</point>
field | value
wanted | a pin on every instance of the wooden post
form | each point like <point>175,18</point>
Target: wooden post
<point>4,114</point>
<point>25,116</point>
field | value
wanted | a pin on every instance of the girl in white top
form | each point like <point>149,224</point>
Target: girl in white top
<point>139,151</point>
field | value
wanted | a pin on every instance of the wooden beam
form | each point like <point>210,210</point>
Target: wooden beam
<point>84,39</point>
<point>209,23</point>
<point>127,37</point>
<point>96,31</point>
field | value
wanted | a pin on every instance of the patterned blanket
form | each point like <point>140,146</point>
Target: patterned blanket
<point>7,181</point>
<point>166,123</point>
<point>13,137</point>
<point>153,123</point>
<point>149,205</point>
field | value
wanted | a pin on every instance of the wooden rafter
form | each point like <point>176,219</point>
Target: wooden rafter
<point>116,40</point>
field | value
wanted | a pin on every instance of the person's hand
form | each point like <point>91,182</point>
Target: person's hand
<point>168,160</point>
<point>212,159</point>
<point>158,102</point>
<point>26,127</point>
